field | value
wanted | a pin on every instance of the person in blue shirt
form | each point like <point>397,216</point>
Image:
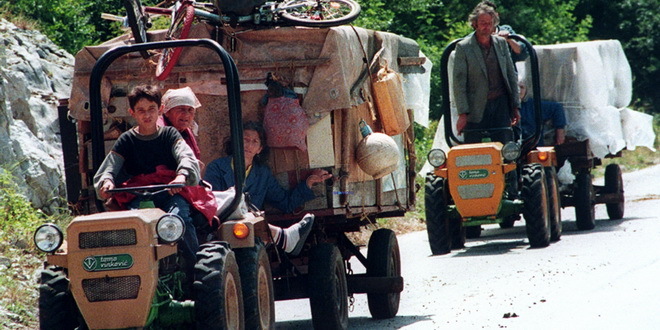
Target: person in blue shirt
<point>552,112</point>
<point>262,186</point>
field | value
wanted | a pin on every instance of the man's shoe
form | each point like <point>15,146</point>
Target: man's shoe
<point>304,228</point>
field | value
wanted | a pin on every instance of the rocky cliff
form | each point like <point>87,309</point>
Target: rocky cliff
<point>34,74</point>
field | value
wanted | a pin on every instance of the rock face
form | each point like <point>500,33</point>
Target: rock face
<point>34,74</point>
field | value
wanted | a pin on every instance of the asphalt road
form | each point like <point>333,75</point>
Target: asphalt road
<point>606,278</point>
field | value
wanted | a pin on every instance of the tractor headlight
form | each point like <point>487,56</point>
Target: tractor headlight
<point>437,157</point>
<point>170,228</point>
<point>48,238</point>
<point>511,151</point>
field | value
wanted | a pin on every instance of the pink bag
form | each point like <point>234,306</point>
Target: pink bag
<point>286,123</point>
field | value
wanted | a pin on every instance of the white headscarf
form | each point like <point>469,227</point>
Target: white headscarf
<point>181,96</point>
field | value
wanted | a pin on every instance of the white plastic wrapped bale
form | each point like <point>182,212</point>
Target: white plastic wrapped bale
<point>601,125</point>
<point>592,74</point>
<point>593,81</point>
<point>637,129</point>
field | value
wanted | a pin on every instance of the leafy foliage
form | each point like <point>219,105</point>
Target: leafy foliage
<point>423,142</point>
<point>71,24</point>
<point>18,258</point>
<point>634,23</point>
<point>17,217</point>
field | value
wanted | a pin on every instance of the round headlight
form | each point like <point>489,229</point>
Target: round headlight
<point>170,228</point>
<point>437,157</point>
<point>511,151</point>
<point>48,238</point>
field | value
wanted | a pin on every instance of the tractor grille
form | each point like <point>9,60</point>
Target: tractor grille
<point>111,288</point>
<point>473,191</point>
<point>107,238</point>
<point>473,160</point>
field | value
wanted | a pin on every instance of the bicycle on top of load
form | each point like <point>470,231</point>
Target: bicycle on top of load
<point>309,13</point>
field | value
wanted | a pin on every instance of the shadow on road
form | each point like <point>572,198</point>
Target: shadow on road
<point>569,227</point>
<point>360,322</point>
<point>497,241</point>
<point>490,248</point>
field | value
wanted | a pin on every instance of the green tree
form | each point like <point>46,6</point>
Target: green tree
<point>634,23</point>
<point>66,22</point>
<point>71,24</point>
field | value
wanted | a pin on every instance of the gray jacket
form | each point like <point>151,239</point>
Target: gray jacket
<point>470,81</point>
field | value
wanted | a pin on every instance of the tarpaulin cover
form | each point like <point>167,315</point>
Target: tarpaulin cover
<point>322,65</point>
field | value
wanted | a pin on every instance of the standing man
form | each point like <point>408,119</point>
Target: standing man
<point>485,82</point>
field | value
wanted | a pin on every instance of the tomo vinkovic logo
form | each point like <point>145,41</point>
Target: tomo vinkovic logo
<point>107,262</point>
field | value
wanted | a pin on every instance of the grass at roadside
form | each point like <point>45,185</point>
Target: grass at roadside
<point>19,259</point>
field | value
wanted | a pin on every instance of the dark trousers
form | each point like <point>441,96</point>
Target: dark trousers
<point>497,114</point>
<point>496,125</point>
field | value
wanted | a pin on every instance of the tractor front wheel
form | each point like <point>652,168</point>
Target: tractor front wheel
<point>57,309</point>
<point>437,218</point>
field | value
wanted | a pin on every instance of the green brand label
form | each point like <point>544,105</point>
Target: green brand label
<point>473,174</point>
<point>107,262</point>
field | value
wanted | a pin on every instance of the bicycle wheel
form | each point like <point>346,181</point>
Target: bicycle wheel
<point>138,22</point>
<point>319,13</point>
<point>179,29</point>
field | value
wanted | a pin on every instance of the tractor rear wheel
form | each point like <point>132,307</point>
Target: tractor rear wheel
<point>218,295</point>
<point>554,200</point>
<point>257,286</point>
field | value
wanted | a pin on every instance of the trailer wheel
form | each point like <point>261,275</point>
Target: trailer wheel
<point>383,260</point>
<point>218,296</point>
<point>437,219</point>
<point>57,309</point>
<point>554,201</point>
<point>535,210</point>
<point>328,291</point>
<point>585,216</point>
<point>257,286</point>
<point>614,185</point>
